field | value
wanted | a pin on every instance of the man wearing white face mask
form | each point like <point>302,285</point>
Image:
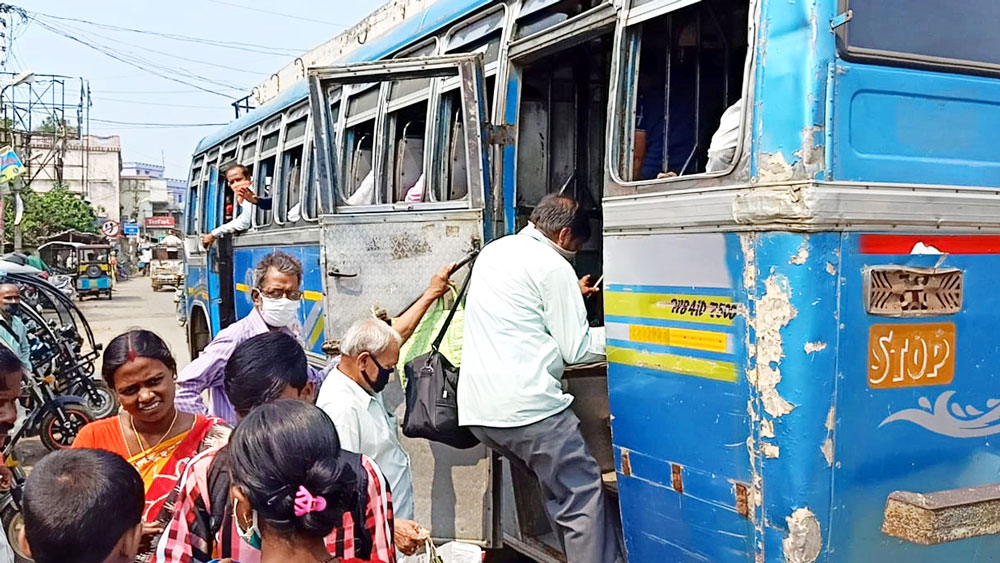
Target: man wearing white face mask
<point>276,296</point>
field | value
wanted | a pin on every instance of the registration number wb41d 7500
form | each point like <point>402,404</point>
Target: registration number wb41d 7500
<point>911,355</point>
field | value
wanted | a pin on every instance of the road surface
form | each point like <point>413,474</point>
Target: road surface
<point>136,305</point>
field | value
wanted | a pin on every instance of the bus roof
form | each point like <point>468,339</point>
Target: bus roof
<point>409,31</point>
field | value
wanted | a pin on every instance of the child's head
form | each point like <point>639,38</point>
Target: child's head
<point>287,477</point>
<point>83,506</point>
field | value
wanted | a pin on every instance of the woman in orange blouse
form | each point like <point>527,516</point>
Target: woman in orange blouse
<point>156,438</point>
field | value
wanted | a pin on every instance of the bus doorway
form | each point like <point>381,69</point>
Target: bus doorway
<point>561,132</point>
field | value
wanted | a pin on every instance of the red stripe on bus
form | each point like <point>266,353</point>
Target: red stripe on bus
<point>948,244</point>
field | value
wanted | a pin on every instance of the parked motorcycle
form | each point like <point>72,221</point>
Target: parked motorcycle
<point>55,325</point>
<point>55,419</point>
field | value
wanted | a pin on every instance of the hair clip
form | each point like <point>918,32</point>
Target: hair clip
<point>305,502</point>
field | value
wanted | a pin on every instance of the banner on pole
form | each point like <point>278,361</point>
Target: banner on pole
<point>10,165</point>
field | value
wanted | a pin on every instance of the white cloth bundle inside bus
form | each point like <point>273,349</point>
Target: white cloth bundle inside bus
<point>722,149</point>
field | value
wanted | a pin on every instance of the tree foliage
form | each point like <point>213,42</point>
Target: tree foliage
<point>58,127</point>
<point>48,213</point>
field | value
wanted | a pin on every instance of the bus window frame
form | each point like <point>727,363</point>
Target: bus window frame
<point>625,66</point>
<point>223,185</point>
<point>247,138</point>
<point>271,126</point>
<point>309,177</point>
<point>373,115</point>
<point>192,204</point>
<point>319,79</point>
<point>445,86</point>
<point>230,149</point>
<point>211,161</point>
<point>453,31</point>
<point>560,36</point>
<point>292,116</point>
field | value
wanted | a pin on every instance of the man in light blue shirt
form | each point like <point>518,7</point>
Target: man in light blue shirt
<point>525,320</point>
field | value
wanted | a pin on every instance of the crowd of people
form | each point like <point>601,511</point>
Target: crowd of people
<point>288,462</point>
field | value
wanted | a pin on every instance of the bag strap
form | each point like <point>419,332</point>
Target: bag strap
<point>454,309</point>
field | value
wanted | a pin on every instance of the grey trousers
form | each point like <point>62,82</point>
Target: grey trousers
<point>553,450</point>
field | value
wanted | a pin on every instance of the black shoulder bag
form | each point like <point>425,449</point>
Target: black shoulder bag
<point>432,393</point>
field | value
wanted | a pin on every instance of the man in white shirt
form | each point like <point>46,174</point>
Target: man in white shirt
<point>525,320</point>
<point>172,241</point>
<point>351,396</point>
<point>238,179</point>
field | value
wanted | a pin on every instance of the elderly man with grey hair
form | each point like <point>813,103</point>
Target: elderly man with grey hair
<point>352,397</point>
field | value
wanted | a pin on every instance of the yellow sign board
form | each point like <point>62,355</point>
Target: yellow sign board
<point>911,355</point>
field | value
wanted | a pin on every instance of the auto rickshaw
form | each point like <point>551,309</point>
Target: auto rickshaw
<point>93,270</point>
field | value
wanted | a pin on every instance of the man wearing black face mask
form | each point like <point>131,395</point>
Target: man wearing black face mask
<point>13,333</point>
<point>352,397</point>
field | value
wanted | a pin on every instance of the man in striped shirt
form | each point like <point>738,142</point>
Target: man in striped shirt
<point>276,295</point>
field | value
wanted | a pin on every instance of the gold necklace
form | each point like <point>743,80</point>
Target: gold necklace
<point>138,438</point>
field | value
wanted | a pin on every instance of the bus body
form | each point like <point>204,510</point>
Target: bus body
<point>799,366</point>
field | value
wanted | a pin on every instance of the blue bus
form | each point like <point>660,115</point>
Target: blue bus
<point>796,207</point>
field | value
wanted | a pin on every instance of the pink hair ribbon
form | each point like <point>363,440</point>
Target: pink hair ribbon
<point>305,502</point>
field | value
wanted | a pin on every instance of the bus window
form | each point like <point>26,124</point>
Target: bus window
<point>538,15</point>
<point>249,151</point>
<point>919,34</point>
<point>407,123</point>
<point>226,203</point>
<point>229,151</point>
<point>203,222</point>
<point>690,70</point>
<point>402,88</point>
<point>191,227</point>
<point>191,214</point>
<point>327,197</point>
<point>359,144</point>
<point>451,182</point>
<point>291,171</point>
<point>263,181</point>
<point>265,169</point>
<point>310,200</point>
<point>479,36</point>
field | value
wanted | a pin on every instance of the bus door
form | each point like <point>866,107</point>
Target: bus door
<point>560,61</point>
<point>401,144</point>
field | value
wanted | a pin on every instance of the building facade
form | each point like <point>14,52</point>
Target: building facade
<point>148,198</point>
<point>90,166</point>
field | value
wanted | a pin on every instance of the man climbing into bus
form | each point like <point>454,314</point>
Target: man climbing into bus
<point>525,320</point>
<point>239,180</point>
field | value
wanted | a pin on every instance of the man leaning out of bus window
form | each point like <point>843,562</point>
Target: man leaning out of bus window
<point>525,320</point>
<point>239,180</point>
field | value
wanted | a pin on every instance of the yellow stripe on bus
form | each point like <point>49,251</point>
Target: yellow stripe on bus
<point>704,340</point>
<point>312,296</point>
<point>716,310</point>
<point>243,287</point>
<point>695,367</point>
<point>317,331</point>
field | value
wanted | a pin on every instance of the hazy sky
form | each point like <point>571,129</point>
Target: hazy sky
<point>121,92</point>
